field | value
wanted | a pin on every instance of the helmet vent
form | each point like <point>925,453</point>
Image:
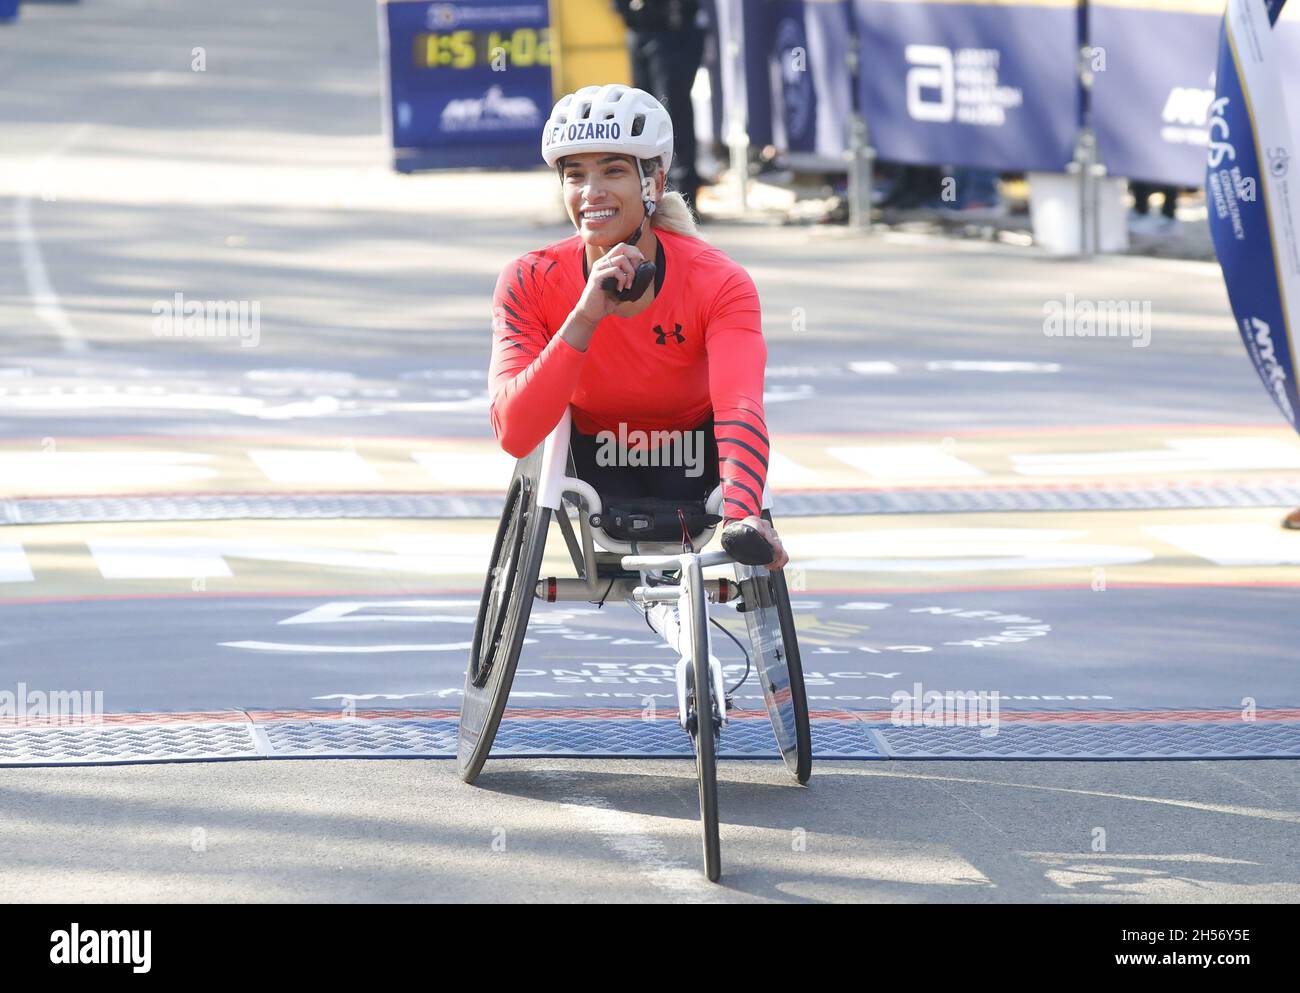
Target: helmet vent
<point>638,125</point>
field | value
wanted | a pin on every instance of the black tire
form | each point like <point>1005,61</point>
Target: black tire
<point>802,766</point>
<point>502,621</point>
<point>704,737</point>
<point>770,622</point>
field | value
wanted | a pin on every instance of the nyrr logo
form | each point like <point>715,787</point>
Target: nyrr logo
<point>1186,116</point>
<point>1188,105</point>
<point>1259,341</point>
<point>662,335</point>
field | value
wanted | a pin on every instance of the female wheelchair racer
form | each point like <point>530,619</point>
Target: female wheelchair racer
<point>590,372</point>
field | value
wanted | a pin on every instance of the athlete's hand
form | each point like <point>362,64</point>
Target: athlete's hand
<point>621,263</point>
<point>764,527</point>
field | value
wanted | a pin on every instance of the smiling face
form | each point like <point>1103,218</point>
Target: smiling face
<point>602,193</point>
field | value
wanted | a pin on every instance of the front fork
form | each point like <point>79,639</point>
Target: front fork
<point>666,618</point>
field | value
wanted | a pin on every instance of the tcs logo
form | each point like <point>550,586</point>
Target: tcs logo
<point>1220,147</point>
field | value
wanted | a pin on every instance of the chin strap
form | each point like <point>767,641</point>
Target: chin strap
<point>647,201</point>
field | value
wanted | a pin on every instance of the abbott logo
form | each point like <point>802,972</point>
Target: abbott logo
<point>77,947</point>
<point>932,70</point>
<point>963,85</point>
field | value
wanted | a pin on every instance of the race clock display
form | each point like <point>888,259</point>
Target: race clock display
<point>520,48</point>
<point>469,83</point>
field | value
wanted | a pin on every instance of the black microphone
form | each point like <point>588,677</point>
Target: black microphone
<point>645,274</point>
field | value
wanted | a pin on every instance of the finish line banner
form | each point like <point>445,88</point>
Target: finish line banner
<point>982,85</point>
<point>1254,199</point>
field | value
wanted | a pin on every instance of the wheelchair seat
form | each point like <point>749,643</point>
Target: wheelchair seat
<point>646,520</point>
<point>653,519</point>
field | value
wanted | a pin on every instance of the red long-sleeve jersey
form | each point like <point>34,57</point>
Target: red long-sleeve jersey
<point>697,348</point>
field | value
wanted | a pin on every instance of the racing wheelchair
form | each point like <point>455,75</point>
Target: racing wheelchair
<point>647,557</point>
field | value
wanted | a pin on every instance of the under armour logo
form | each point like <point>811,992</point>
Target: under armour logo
<point>662,335</point>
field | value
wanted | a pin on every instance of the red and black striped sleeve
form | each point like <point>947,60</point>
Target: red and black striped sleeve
<point>737,356</point>
<point>532,374</point>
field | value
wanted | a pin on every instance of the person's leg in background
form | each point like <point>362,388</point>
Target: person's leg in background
<point>688,52</point>
<point>916,186</point>
<point>1141,196</point>
<point>1170,207</point>
<point>976,193</point>
<point>637,43</point>
<point>1140,220</point>
<point>664,64</point>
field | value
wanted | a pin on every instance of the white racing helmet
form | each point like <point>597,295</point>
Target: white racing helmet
<point>612,118</point>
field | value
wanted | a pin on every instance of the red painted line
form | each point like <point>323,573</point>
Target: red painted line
<point>475,591</point>
<point>1081,586</point>
<point>316,440</point>
<point>232,594</point>
<point>1037,429</point>
<point>1069,486</point>
<point>1012,486</point>
<point>194,494</point>
<point>1275,715</point>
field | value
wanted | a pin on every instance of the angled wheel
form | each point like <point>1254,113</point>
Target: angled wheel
<point>702,725</point>
<point>770,620</point>
<point>503,612</point>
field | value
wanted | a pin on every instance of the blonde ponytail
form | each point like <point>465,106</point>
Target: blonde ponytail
<point>673,215</point>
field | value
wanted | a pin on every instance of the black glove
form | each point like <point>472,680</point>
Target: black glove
<point>746,544</point>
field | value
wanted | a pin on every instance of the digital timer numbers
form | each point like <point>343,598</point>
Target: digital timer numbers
<point>523,47</point>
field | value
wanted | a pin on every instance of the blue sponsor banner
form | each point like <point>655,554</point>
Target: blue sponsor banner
<point>468,84</point>
<point>792,77</point>
<point>1153,67</point>
<point>990,86</point>
<point>827,27</point>
<point>744,29</point>
<point>8,10</point>
<point>1253,194</point>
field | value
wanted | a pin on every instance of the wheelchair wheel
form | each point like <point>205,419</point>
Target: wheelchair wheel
<point>704,729</point>
<point>772,635</point>
<point>502,620</point>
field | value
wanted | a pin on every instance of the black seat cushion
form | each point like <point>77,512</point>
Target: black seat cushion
<point>653,518</point>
